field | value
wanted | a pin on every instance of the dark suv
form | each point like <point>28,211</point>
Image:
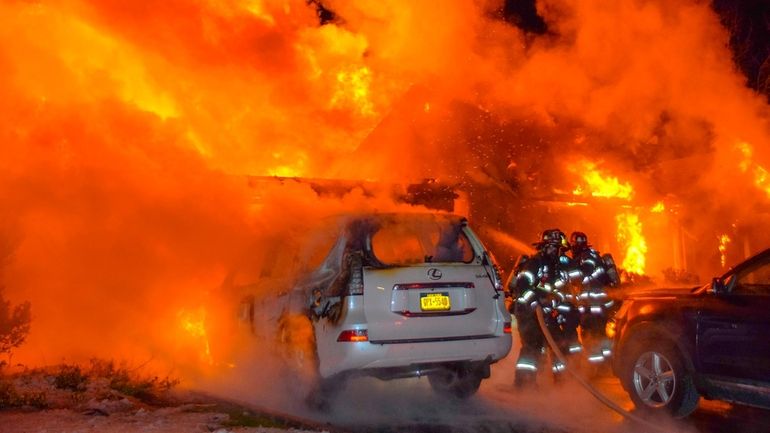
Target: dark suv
<point>674,345</point>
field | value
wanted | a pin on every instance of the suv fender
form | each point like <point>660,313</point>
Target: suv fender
<point>649,329</point>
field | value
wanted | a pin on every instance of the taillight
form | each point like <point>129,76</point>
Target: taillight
<point>507,328</point>
<point>354,335</point>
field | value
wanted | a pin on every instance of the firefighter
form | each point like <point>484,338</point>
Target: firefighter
<point>592,300</point>
<point>543,279</point>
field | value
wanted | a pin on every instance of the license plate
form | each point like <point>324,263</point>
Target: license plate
<point>435,301</point>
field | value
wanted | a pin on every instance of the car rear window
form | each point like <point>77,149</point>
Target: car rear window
<point>422,240</point>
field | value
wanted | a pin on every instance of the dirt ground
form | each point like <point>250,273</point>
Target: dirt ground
<point>187,418</point>
<point>107,398</point>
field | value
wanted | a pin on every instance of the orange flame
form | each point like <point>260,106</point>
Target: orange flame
<point>747,165</point>
<point>194,322</point>
<point>659,207</point>
<point>353,90</point>
<point>599,184</point>
<point>723,241</point>
<point>630,235</point>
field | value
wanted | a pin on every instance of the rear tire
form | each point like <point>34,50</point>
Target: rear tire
<point>460,382</point>
<point>656,379</point>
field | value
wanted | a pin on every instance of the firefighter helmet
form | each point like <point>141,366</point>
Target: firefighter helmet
<point>578,241</point>
<point>553,237</point>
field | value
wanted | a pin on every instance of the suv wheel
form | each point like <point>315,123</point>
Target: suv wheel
<point>657,380</point>
<point>460,382</point>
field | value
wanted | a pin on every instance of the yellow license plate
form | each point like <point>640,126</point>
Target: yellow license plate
<point>435,301</point>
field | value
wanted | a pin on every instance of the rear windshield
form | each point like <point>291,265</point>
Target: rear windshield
<point>423,240</point>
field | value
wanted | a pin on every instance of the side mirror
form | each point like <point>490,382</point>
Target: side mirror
<point>718,287</point>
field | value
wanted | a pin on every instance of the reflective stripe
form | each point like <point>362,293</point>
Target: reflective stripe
<point>525,297</point>
<point>597,295</point>
<point>558,367</point>
<point>595,309</point>
<point>528,275</point>
<point>597,272</point>
<point>589,261</point>
<point>524,365</point>
<point>609,304</point>
<point>582,309</point>
<point>606,353</point>
<point>575,349</point>
<point>574,274</point>
<point>565,308</point>
<point>596,358</point>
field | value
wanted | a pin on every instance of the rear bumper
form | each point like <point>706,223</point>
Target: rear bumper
<point>372,358</point>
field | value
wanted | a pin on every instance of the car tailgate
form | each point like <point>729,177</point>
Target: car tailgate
<point>431,302</point>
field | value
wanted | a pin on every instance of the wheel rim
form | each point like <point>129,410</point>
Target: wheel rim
<point>654,379</point>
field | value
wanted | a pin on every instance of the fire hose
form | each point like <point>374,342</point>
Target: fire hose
<point>583,382</point>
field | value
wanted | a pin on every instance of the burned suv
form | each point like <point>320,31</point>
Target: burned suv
<point>405,295</point>
<point>673,346</point>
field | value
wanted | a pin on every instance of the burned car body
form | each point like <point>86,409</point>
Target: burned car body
<point>403,295</point>
<point>673,346</point>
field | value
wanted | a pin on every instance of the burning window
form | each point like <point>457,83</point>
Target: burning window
<point>421,240</point>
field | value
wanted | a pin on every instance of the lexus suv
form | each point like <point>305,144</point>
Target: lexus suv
<point>405,295</point>
<point>674,346</point>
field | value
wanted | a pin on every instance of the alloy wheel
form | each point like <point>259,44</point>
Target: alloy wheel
<point>654,379</point>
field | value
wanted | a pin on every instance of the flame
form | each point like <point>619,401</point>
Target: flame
<point>194,323</point>
<point>723,241</point>
<point>127,126</point>
<point>659,207</point>
<point>629,231</point>
<point>602,185</point>
<point>353,91</point>
<point>747,165</point>
<point>630,235</point>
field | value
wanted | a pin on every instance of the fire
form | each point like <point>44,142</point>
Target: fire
<point>353,90</point>
<point>630,235</point>
<point>629,231</point>
<point>747,165</point>
<point>602,185</point>
<point>194,323</point>
<point>723,241</point>
<point>127,129</point>
<point>659,207</point>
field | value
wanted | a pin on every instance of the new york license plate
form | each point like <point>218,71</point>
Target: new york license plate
<point>435,301</point>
